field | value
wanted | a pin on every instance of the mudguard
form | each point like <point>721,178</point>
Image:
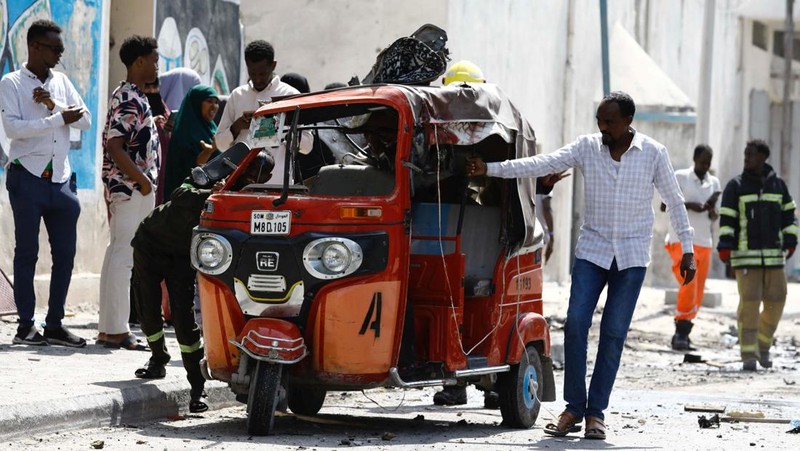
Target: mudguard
<point>272,340</point>
<point>533,328</point>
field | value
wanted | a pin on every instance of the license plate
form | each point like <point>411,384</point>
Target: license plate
<point>270,222</point>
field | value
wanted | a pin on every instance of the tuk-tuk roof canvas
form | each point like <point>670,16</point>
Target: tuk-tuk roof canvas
<point>482,103</point>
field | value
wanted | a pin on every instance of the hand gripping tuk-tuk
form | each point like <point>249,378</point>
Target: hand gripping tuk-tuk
<point>373,261</point>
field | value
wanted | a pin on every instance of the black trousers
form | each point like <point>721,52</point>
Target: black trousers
<point>150,267</point>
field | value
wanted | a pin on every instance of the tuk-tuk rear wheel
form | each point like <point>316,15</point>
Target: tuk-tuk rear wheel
<point>521,391</point>
<point>305,400</point>
<point>263,397</point>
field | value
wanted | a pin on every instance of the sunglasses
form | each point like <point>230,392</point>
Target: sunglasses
<point>53,48</point>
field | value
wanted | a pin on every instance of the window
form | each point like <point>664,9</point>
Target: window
<point>777,45</point>
<point>760,35</point>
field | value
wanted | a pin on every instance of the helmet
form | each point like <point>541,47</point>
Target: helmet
<point>463,71</point>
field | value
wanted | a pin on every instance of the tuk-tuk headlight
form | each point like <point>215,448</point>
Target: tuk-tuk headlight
<point>336,257</point>
<point>211,253</point>
<point>332,258</point>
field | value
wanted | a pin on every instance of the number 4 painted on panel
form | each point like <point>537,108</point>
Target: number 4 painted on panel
<point>374,309</point>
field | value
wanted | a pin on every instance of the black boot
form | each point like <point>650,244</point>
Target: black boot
<point>191,362</point>
<point>452,395</point>
<point>681,341</point>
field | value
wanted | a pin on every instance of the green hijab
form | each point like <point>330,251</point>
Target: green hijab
<point>184,146</point>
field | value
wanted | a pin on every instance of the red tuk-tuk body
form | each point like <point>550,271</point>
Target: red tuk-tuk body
<point>379,263</point>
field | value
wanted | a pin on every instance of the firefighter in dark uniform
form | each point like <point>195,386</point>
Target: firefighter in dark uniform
<point>757,234</point>
<point>161,252</point>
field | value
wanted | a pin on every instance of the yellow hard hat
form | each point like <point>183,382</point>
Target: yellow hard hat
<point>463,71</point>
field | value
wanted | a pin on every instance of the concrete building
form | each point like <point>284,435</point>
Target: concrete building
<point>545,54</point>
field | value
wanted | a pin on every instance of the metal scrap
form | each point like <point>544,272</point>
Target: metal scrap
<point>708,423</point>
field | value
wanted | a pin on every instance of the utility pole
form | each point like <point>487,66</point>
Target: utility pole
<point>706,58</point>
<point>604,47</point>
<point>786,130</point>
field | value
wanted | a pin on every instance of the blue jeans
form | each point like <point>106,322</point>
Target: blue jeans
<point>588,281</point>
<point>34,199</point>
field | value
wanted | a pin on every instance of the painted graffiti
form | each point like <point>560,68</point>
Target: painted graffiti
<point>80,22</point>
<point>204,35</point>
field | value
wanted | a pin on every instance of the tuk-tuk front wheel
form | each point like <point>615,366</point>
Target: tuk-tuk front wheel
<point>263,398</point>
<point>521,391</point>
<point>305,400</point>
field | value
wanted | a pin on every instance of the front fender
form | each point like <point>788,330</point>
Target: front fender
<point>529,328</point>
<point>272,340</point>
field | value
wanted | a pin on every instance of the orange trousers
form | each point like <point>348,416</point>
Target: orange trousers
<point>690,296</point>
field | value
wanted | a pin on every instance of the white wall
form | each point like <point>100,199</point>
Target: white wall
<point>330,41</point>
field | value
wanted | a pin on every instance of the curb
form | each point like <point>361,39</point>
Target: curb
<point>126,406</point>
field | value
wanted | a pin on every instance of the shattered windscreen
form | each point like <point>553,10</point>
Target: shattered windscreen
<point>336,150</point>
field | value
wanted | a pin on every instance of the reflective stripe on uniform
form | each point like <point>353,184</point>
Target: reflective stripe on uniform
<point>791,230</point>
<point>725,211</point>
<point>726,230</point>
<point>188,349</point>
<point>156,336</point>
<point>748,348</point>
<point>746,253</point>
<point>771,197</point>
<point>745,262</point>
<point>789,206</point>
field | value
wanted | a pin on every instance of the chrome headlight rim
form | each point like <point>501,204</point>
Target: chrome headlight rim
<point>225,261</point>
<point>314,251</point>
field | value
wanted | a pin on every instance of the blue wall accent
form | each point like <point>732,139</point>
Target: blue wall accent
<point>83,155</point>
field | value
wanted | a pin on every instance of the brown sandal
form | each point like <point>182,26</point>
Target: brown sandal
<point>567,423</point>
<point>595,429</point>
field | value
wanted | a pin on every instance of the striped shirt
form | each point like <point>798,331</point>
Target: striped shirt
<point>618,220</point>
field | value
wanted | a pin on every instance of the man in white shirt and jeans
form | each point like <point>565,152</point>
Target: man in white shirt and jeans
<point>264,84</point>
<point>621,168</point>
<point>701,192</point>
<point>39,107</point>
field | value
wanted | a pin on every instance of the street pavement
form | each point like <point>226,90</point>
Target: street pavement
<point>53,388</point>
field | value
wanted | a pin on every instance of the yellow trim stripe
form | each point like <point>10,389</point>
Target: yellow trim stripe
<point>725,211</point>
<point>156,336</point>
<point>188,349</point>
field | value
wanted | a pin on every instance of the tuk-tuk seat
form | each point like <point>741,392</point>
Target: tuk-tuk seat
<point>352,180</point>
<point>479,239</point>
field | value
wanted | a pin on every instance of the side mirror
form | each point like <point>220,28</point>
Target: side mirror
<point>221,166</point>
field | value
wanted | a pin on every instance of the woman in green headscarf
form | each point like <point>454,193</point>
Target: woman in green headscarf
<point>192,140</point>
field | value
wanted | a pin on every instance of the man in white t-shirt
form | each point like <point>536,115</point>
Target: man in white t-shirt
<point>701,192</point>
<point>264,84</point>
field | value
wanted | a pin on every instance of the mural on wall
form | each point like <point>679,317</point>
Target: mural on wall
<point>204,35</point>
<point>80,24</point>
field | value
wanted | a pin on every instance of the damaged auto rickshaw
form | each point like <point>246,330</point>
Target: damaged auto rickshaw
<point>384,267</point>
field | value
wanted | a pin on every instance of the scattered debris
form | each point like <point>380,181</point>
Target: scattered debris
<point>788,382</point>
<point>753,420</point>
<point>708,423</point>
<point>694,358</point>
<point>743,414</point>
<point>98,444</point>
<point>703,408</point>
<point>388,435</point>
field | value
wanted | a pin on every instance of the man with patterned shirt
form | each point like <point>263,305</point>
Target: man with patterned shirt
<point>39,107</point>
<point>130,171</point>
<point>621,168</point>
